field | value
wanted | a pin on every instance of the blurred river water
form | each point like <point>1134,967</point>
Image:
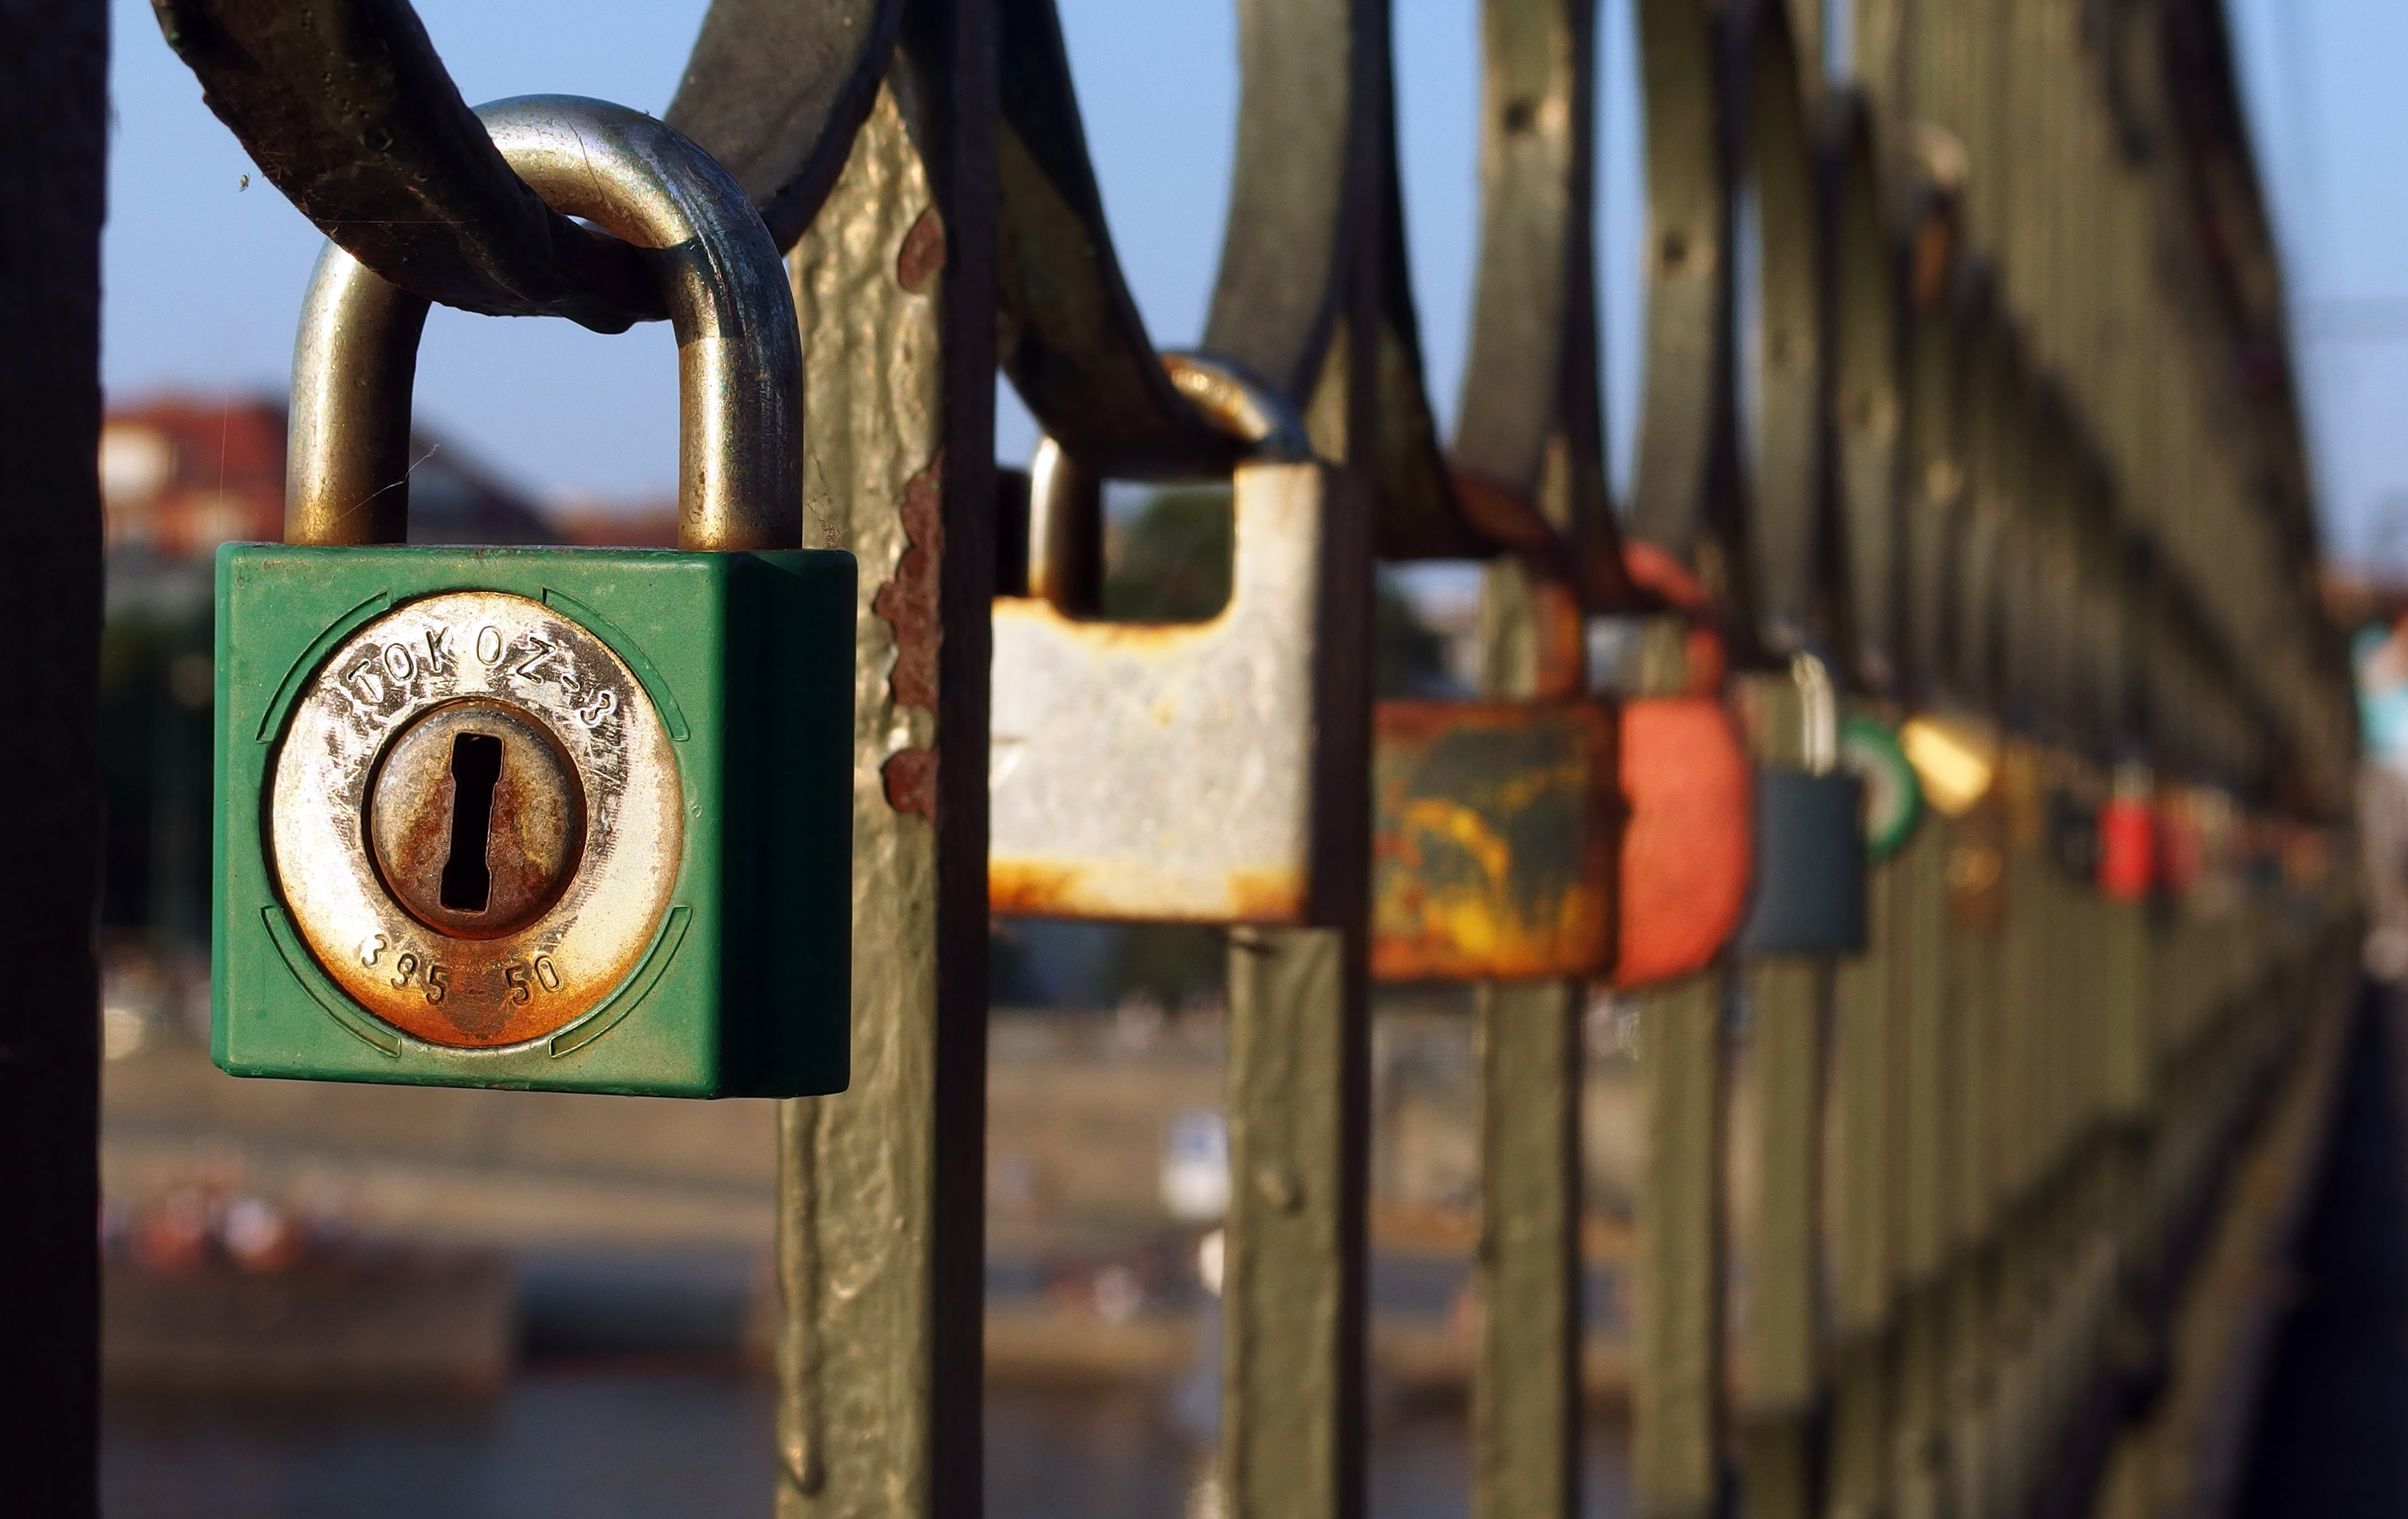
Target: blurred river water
<point>283,1255</point>
<point>636,1442</point>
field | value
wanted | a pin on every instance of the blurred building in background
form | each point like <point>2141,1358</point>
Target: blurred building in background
<point>181,474</point>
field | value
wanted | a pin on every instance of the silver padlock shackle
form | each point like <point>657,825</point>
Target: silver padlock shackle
<point>1066,501</point>
<point>739,353</point>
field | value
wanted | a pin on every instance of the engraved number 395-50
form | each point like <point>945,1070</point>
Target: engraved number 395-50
<point>437,979</point>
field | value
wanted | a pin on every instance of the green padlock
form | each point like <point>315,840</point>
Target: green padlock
<point>576,820</point>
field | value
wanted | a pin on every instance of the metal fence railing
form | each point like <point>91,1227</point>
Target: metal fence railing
<point>1941,757</point>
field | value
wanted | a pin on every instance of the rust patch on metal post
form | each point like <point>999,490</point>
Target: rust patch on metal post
<point>910,777</point>
<point>909,600</point>
<point>923,253</point>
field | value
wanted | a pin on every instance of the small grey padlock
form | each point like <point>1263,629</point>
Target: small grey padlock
<point>1809,895</point>
<point>1810,864</point>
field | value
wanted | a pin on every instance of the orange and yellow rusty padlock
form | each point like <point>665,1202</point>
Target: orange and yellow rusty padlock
<point>1494,845</point>
<point>1559,837</point>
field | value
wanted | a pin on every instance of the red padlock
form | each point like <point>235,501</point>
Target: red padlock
<point>2127,840</point>
<point>1687,845</point>
<point>2126,850</point>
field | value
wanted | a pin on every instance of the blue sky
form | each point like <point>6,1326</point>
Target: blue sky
<point>204,277</point>
<point>2322,77</point>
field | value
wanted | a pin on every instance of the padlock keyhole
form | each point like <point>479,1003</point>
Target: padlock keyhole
<point>475,770</point>
<point>476,818</point>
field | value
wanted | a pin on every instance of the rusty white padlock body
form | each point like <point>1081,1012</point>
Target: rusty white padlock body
<point>1162,771</point>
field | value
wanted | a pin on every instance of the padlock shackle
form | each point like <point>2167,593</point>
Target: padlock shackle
<point>1066,499</point>
<point>739,352</point>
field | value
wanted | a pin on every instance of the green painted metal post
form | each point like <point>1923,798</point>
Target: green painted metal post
<point>1676,1396</point>
<point>1526,1385</point>
<point>881,1205</point>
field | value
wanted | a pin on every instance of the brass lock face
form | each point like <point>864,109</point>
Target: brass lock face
<point>476,818</point>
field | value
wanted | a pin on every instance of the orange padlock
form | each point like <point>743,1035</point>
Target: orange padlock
<point>1687,845</point>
